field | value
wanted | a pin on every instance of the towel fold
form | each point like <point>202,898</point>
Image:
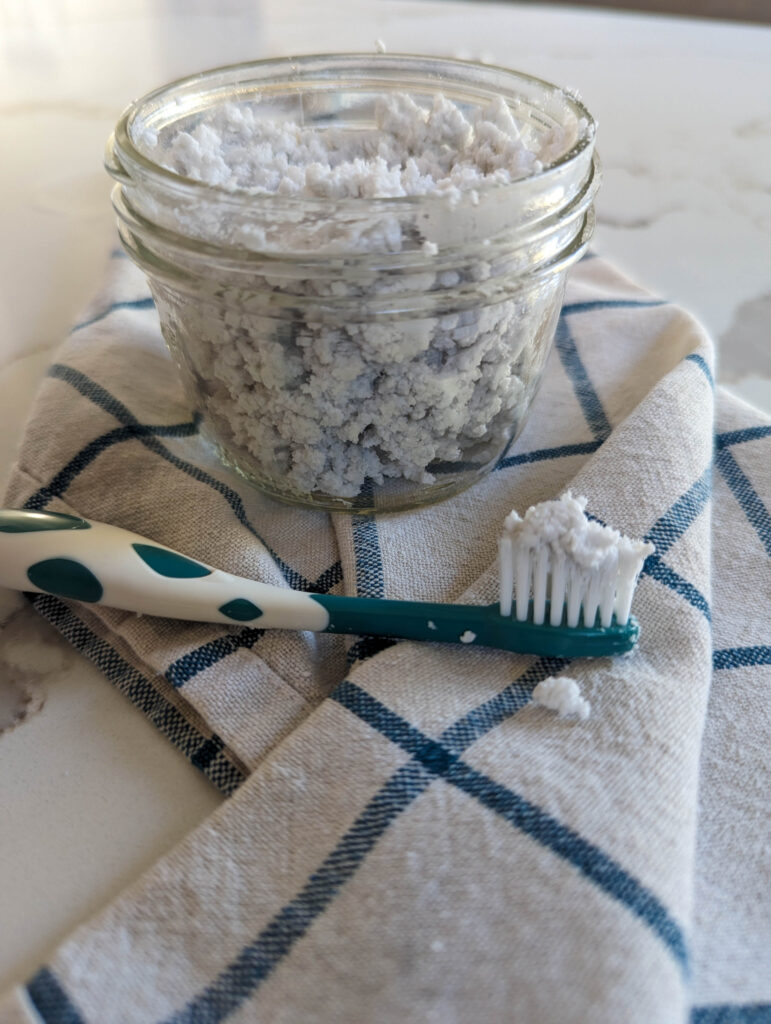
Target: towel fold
<point>410,837</point>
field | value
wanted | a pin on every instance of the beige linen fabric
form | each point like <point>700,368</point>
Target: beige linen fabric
<point>410,838</point>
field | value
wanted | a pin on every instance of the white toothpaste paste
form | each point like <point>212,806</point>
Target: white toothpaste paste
<point>587,565</point>
<point>315,404</point>
<point>563,695</point>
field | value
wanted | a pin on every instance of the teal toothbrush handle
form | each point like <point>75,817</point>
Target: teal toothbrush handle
<point>474,625</point>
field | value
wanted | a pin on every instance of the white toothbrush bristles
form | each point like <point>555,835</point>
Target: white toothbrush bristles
<point>506,558</point>
<point>559,572</point>
<point>577,587</point>
<point>522,583</point>
<point>586,570</point>
<point>631,556</point>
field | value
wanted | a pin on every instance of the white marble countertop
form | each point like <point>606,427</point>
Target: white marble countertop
<point>90,794</point>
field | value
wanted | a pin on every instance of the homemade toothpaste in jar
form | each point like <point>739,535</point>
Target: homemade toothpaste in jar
<point>358,262</point>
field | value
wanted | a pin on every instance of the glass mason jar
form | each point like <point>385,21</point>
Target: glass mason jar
<point>359,354</point>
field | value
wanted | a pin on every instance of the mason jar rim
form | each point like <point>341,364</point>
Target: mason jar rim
<point>123,155</point>
<point>133,229</point>
<point>235,258</point>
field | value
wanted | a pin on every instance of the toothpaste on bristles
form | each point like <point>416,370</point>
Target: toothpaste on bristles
<point>556,554</point>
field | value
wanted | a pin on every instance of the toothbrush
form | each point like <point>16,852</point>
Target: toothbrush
<point>82,560</point>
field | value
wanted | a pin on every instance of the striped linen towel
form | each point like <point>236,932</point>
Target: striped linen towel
<point>409,838</point>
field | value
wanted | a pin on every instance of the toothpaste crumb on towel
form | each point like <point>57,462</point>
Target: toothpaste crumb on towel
<point>561,694</point>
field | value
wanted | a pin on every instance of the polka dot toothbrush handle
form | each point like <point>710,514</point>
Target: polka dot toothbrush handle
<point>81,560</point>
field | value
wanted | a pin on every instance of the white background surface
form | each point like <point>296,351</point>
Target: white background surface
<point>90,794</point>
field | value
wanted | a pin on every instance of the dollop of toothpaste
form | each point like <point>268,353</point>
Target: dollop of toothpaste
<point>583,563</point>
<point>564,526</point>
<point>563,695</point>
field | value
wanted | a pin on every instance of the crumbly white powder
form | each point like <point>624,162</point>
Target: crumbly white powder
<point>563,695</point>
<point>309,406</point>
<point>409,151</point>
<point>312,401</point>
<point>564,526</point>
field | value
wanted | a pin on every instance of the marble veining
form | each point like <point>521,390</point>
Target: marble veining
<point>744,347</point>
<point>30,653</point>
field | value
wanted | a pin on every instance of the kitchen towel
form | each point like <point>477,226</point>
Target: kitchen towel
<point>409,837</point>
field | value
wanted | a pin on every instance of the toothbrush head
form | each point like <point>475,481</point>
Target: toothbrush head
<point>560,567</point>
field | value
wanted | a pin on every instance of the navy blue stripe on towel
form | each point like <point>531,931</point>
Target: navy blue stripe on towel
<point>50,1000</point>
<point>370,581</point>
<point>237,982</point>
<point>748,498</point>
<point>741,657</point>
<point>481,719</point>
<point>668,529</point>
<point>591,305</point>
<point>701,362</point>
<point>92,391</point>
<point>542,454</point>
<point>658,570</point>
<point>732,1013</point>
<point>214,651</point>
<point>732,437</point>
<point>587,397</point>
<point>519,812</point>
<point>198,660</point>
<point>220,770</point>
<point>430,759</point>
<point>100,396</point>
<point>146,303</point>
<point>130,431</point>
<point>677,519</point>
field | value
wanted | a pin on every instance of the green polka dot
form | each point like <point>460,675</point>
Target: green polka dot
<point>18,521</point>
<point>169,563</point>
<point>241,610</point>
<point>66,578</point>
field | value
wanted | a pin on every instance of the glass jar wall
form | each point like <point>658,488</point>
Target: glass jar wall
<point>360,354</point>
